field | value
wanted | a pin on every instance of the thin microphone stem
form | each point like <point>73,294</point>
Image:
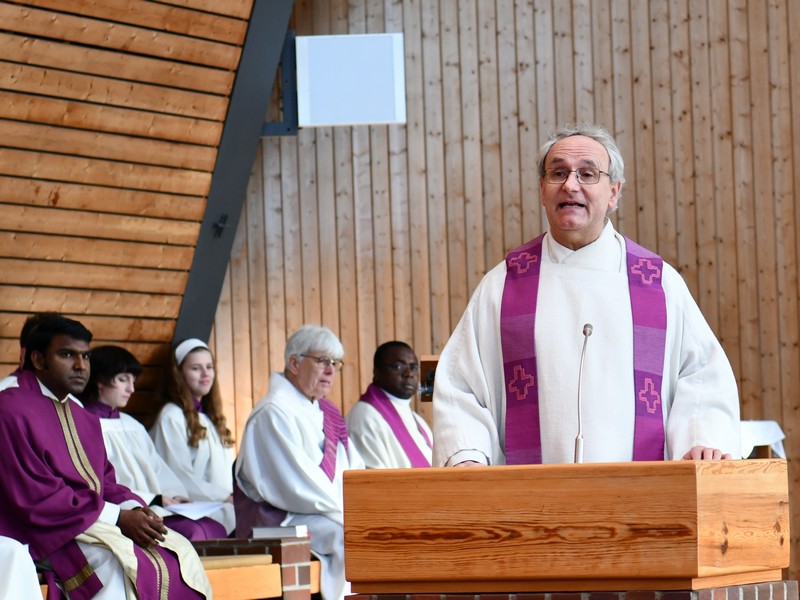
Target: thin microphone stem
<point>587,331</point>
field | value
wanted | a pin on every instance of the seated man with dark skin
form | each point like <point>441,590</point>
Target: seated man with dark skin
<point>383,426</point>
<point>59,492</point>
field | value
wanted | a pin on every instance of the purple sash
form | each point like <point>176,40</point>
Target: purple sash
<point>517,326</point>
<point>335,428</point>
<point>375,397</point>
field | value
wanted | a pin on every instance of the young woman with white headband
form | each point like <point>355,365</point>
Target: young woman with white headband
<point>190,432</point>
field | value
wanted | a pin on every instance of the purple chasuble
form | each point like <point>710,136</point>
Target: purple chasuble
<point>335,428</point>
<point>376,398</point>
<point>57,479</point>
<point>523,443</point>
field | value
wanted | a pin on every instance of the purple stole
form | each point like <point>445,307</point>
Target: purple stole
<point>375,397</point>
<point>335,428</point>
<point>523,443</point>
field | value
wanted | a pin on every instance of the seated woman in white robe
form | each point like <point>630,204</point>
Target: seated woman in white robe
<point>190,432</point>
<point>18,577</point>
<point>137,464</point>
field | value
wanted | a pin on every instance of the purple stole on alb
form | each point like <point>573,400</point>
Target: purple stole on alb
<point>335,428</point>
<point>523,442</point>
<point>375,397</point>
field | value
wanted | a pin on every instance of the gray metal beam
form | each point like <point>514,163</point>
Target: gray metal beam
<point>240,137</point>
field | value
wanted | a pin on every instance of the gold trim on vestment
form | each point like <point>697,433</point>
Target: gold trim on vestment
<point>162,571</point>
<point>79,578</point>
<point>76,451</point>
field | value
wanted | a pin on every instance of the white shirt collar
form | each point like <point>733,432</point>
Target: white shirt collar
<point>49,394</point>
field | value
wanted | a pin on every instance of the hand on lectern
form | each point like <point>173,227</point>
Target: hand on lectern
<point>706,453</point>
<point>470,463</point>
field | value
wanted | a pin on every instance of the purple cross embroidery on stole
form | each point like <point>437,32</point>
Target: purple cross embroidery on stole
<point>649,308</point>
<point>335,429</point>
<point>523,444</point>
<point>517,319</point>
<point>378,400</point>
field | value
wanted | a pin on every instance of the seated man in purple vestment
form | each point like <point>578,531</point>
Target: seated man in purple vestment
<point>521,381</point>
<point>59,493</point>
<point>383,425</point>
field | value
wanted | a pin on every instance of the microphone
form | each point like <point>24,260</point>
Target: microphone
<point>587,331</point>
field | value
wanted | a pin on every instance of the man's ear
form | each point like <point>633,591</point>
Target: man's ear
<point>294,364</point>
<point>37,360</point>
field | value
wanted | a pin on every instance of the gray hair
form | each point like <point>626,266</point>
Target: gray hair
<point>313,338</point>
<point>616,168</point>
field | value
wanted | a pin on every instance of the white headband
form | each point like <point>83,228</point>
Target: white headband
<point>187,346</point>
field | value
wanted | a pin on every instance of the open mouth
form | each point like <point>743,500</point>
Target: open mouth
<point>571,205</point>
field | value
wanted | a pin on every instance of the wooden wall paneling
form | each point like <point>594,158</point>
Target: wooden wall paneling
<point>34,165</point>
<point>476,255</point>
<point>239,9</point>
<point>108,91</point>
<point>293,263</point>
<point>102,277</point>
<point>439,308</point>
<point>81,115</point>
<point>240,403</point>
<point>364,266</point>
<point>602,66</point>
<point>116,36</point>
<point>19,217</point>
<point>259,364</point>
<point>723,192</point>
<point>363,220</point>
<point>385,328</point>
<point>417,182</point>
<point>87,301</point>
<point>642,91</point>
<point>309,257</point>
<point>453,167</point>
<point>101,199</point>
<point>582,52</point>
<point>273,236</point>
<point>92,144</point>
<point>112,329</point>
<point>349,381</point>
<point>664,148</point>
<point>624,123</point>
<point>685,193</point>
<point>397,182</point>
<point>546,67</point>
<point>508,103</point>
<point>750,375</point>
<point>785,226</point>
<point>529,138</point>
<point>563,62</point>
<point>107,63</point>
<point>791,402</point>
<point>707,265</point>
<point>764,199</point>
<point>494,244</point>
<point>89,250</point>
<point>144,13</point>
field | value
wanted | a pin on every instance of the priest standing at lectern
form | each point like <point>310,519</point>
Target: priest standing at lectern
<point>582,338</point>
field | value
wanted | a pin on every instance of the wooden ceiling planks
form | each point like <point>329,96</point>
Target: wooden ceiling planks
<point>111,114</point>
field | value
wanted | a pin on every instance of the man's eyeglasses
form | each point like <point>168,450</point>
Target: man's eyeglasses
<point>325,362</point>
<point>400,367</point>
<point>585,175</point>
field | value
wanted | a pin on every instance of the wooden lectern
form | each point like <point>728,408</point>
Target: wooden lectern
<point>680,525</point>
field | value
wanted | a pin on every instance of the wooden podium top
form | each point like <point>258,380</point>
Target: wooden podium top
<point>616,526</point>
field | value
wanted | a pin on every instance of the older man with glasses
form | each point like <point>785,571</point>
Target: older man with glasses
<point>383,424</point>
<point>293,452</point>
<point>520,381</point>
